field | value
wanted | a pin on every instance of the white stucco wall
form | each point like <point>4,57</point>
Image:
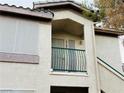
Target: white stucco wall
<point>38,77</point>
<point>92,79</point>
<point>28,37</point>
<point>108,50</point>
<point>110,83</point>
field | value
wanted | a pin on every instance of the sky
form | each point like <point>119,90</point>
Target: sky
<point>28,3</point>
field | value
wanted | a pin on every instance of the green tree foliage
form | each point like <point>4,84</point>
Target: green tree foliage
<point>91,13</point>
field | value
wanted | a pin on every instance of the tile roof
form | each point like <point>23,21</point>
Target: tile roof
<point>12,9</point>
<point>61,1</point>
<point>53,4</point>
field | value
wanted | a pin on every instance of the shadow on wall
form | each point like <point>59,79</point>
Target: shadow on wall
<point>123,67</point>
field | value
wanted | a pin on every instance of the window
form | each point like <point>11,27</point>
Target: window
<point>18,40</point>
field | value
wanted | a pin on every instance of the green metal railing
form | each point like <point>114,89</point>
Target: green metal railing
<point>110,67</point>
<point>66,59</point>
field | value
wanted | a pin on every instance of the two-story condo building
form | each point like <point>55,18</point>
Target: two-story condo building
<point>52,48</point>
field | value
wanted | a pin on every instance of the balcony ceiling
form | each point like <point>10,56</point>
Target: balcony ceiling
<point>67,26</point>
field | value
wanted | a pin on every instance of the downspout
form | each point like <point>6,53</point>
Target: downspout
<point>95,60</point>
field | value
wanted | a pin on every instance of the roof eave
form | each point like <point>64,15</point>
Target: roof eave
<point>62,4</point>
<point>108,32</point>
<point>6,9</point>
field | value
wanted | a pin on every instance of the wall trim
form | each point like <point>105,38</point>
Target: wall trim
<point>79,74</point>
<point>19,58</point>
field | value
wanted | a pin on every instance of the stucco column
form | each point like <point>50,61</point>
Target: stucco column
<point>92,66</point>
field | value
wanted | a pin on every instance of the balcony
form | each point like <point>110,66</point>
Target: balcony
<point>68,60</point>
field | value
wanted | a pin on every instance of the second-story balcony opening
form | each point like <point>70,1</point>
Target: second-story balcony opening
<point>68,47</point>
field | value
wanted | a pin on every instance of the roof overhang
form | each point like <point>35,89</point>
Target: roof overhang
<point>47,15</point>
<point>108,32</point>
<point>25,13</point>
<point>59,5</point>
